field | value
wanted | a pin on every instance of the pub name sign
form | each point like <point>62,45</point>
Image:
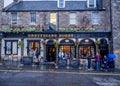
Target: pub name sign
<point>50,35</point>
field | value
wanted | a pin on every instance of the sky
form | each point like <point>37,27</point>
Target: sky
<point>7,2</point>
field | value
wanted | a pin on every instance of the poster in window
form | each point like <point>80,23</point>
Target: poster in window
<point>14,48</point>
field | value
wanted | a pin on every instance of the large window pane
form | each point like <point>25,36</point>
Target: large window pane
<point>11,47</point>
<point>14,48</point>
<point>95,18</point>
<point>70,50</point>
<point>61,3</point>
<point>91,3</point>
<point>53,18</point>
<point>14,18</point>
<point>33,17</point>
<point>8,48</point>
<point>72,18</point>
<point>34,45</point>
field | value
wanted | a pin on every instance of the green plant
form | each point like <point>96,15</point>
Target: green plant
<point>77,43</point>
<point>56,44</point>
<point>20,44</point>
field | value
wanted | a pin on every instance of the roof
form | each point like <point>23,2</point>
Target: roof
<point>45,6</point>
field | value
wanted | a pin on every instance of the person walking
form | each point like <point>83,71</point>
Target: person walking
<point>97,61</point>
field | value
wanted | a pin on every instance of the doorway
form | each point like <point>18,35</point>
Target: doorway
<point>50,53</point>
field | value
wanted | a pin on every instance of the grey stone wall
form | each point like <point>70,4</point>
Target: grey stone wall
<point>43,18</point>
<point>116,30</point>
<point>1,6</point>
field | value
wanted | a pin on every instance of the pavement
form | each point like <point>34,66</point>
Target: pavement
<point>52,67</point>
<point>49,74</point>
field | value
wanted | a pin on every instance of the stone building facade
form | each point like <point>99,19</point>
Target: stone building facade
<point>115,7</point>
<point>1,6</point>
<point>84,19</point>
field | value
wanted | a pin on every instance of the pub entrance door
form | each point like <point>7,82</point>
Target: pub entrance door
<point>50,53</point>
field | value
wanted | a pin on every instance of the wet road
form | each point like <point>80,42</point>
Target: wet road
<point>51,78</point>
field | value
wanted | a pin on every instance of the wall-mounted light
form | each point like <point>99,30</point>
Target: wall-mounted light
<point>66,40</point>
<point>86,41</point>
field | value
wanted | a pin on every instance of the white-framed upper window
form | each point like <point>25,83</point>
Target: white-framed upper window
<point>33,18</point>
<point>53,18</point>
<point>95,18</point>
<point>14,18</point>
<point>61,3</point>
<point>72,17</point>
<point>91,3</point>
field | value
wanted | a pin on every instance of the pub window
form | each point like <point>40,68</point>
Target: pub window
<point>91,3</point>
<point>53,18</point>
<point>14,18</point>
<point>61,3</point>
<point>34,45</point>
<point>11,47</point>
<point>95,18</point>
<point>72,18</point>
<point>33,18</point>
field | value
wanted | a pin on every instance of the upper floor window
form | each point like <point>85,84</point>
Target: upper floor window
<point>11,47</point>
<point>91,3</point>
<point>53,18</point>
<point>72,19</point>
<point>95,18</point>
<point>61,3</point>
<point>14,18</point>
<point>33,18</point>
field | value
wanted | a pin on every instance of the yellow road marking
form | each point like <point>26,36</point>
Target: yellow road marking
<point>58,72</point>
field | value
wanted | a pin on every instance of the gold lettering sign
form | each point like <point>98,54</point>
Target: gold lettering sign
<point>50,35</point>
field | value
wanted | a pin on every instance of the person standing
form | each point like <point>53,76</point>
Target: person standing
<point>61,54</point>
<point>89,61</point>
<point>97,61</point>
<point>105,60</point>
<point>36,55</point>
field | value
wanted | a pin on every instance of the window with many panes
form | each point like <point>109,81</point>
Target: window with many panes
<point>13,18</point>
<point>91,3</point>
<point>61,3</point>
<point>11,47</point>
<point>95,18</point>
<point>72,18</point>
<point>33,18</point>
<point>53,18</point>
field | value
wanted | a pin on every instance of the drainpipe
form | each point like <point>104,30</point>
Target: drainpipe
<point>111,26</point>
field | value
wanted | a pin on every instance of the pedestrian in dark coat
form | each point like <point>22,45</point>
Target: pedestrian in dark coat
<point>89,61</point>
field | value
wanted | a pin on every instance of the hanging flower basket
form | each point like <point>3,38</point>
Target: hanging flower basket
<point>20,44</point>
<point>76,43</point>
<point>97,42</point>
<point>56,44</point>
